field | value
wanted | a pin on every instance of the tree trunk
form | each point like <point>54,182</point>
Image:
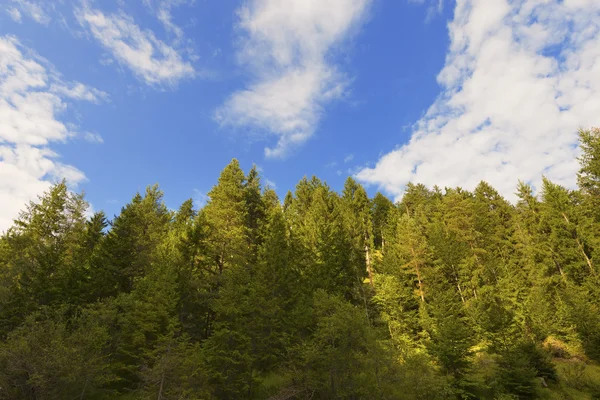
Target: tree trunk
<point>580,246</point>
<point>458,284</point>
<point>420,283</point>
<point>368,260</point>
<point>462,298</point>
<point>560,271</point>
<point>84,387</point>
<point>162,381</point>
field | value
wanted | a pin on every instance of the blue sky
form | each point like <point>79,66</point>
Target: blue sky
<point>116,95</point>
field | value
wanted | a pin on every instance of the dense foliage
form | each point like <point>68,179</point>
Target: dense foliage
<point>447,294</point>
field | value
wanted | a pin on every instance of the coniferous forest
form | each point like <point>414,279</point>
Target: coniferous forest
<point>447,294</point>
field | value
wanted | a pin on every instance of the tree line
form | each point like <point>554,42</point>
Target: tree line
<point>446,294</point>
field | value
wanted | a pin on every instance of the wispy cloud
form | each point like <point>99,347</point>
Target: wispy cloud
<point>163,10</point>
<point>15,14</point>
<point>434,7</point>
<point>199,198</point>
<point>93,137</point>
<point>348,158</point>
<point>520,78</point>
<point>34,9</point>
<point>152,60</point>
<point>29,122</point>
<point>270,183</point>
<point>286,46</point>
<point>78,91</point>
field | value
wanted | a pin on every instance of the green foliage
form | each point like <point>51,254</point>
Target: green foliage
<point>54,356</point>
<point>447,294</point>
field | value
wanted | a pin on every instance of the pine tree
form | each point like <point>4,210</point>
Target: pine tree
<point>588,176</point>
<point>40,260</point>
<point>129,247</point>
<point>256,212</point>
<point>359,225</point>
<point>380,210</point>
<point>226,215</point>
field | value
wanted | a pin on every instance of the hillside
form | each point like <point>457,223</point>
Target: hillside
<point>447,294</point>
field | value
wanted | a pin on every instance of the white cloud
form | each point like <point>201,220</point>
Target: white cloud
<point>33,9</point>
<point>520,78</point>
<point>79,91</point>
<point>434,7</point>
<point>348,158</point>
<point>199,198</point>
<point>163,10</point>
<point>15,14</point>
<point>151,59</point>
<point>286,46</point>
<point>271,184</point>
<point>29,123</point>
<point>93,137</point>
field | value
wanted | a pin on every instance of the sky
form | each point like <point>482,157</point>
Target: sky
<point>116,95</point>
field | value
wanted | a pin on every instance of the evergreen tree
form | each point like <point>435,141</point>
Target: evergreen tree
<point>129,247</point>
<point>41,261</point>
<point>443,295</point>
<point>226,215</point>
<point>380,211</point>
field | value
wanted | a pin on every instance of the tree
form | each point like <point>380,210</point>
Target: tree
<point>588,176</point>
<point>452,337</point>
<point>358,222</point>
<point>412,250</point>
<point>380,211</point>
<point>42,255</point>
<point>337,361</point>
<point>54,355</point>
<point>226,215</point>
<point>129,247</point>
<point>470,296</point>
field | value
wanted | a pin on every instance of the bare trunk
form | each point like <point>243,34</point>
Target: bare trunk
<point>368,260</point>
<point>462,298</point>
<point>362,289</point>
<point>587,260</point>
<point>420,284</point>
<point>162,381</point>
<point>221,263</point>
<point>162,377</point>
<point>83,391</point>
<point>580,246</point>
<point>560,271</point>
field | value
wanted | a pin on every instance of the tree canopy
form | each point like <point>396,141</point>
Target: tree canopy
<point>446,294</point>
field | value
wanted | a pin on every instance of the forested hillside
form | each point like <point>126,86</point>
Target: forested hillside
<point>447,294</point>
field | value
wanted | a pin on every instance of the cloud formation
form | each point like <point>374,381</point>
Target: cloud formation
<point>15,14</point>
<point>286,47</point>
<point>32,97</point>
<point>163,10</point>
<point>520,78</point>
<point>150,59</point>
<point>34,9</point>
<point>434,7</point>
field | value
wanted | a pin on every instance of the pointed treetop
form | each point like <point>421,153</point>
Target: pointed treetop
<point>588,177</point>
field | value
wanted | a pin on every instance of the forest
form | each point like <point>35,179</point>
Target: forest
<point>446,294</point>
